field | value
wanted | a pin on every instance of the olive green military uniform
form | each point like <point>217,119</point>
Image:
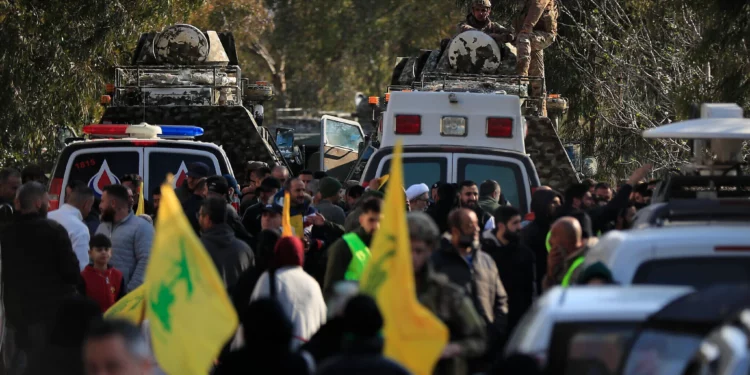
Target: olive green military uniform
<point>454,308</point>
<point>537,29</point>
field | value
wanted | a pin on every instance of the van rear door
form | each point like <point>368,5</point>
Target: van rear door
<point>421,167</point>
<point>339,145</point>
<point>510,173</point>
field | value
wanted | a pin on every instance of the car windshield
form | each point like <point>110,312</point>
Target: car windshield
<point>591,347</point>
<point>658,352</point>
<point>696,272</point>
<point>341,134</point>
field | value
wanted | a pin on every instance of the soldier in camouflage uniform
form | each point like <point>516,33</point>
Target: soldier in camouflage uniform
<point>479,19</point>
<point>537,29</point>
<point>444,299</point>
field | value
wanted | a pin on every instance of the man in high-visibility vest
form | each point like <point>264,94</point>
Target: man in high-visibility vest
<point>348,256</point>
<point>567,242</point>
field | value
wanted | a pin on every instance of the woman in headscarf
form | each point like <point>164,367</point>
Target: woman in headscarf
<point>297,292</point>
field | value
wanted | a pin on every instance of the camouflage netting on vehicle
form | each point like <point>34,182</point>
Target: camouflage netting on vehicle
<point>477,86</point>
<point>548,154</point>
<point>233,128</point>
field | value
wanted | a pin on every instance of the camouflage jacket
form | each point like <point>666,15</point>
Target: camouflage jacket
<point>454,308</point>
<point>488,27</point>
<point>537,15</point>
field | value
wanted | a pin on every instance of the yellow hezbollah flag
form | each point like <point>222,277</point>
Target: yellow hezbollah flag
<point>286,226</point>
<point>190,315</point>
<point>414,337</point>
<point>129,307</point>
<point>141,206</point>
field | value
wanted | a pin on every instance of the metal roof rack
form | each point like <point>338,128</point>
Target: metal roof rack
<point>697,187</point>
<point>698,209</point>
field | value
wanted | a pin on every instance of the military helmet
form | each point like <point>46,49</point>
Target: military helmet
<point>484,3</point>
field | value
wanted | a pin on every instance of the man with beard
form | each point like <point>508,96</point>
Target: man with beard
<point>578,198</point>
<point>131,237</point>
<point>251,217</point>
<point>515,262</point>
<point>466,265</point>
<point>469,198</point>
<point>40,270</point>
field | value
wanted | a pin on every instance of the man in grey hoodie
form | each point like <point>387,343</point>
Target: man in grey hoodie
<point>131,237</point>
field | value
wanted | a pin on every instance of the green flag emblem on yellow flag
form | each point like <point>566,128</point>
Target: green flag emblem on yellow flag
<point>414,337</point>
<point>129,307</point>
<point>190,314</point>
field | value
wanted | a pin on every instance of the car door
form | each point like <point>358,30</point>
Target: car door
<point>102,166</point>
<point>339,145</point>
<point>161,161</point>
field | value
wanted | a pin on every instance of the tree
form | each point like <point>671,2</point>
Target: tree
<point>56,56</point>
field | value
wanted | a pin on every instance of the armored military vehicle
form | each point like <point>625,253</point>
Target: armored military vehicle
<point>473,62</point>
<point>187,76</point>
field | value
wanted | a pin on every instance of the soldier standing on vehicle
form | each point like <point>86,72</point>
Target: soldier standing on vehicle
<point>479,19</point>
<point>537,29</point>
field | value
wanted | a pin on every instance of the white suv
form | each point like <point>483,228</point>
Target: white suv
<point>591,324</point>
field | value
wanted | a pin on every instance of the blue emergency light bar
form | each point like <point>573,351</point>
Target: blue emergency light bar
<point>180,131</point>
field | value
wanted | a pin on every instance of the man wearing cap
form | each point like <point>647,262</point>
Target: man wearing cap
<point>327,197</point>
<point>479,19</point>
<point>266,191</point>
<point>218,187</point>
<point>196,172</point>
<point>418,197</point>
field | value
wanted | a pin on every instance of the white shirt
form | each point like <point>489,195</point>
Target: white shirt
<point>72,220</point>
<point>300,297</point>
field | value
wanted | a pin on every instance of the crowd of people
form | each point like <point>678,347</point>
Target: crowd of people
<point>479,263</point>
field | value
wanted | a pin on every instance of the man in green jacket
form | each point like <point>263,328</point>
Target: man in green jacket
<point>489,196</point>
<point>348,256</point>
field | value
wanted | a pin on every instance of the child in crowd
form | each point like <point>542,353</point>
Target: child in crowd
<point>102,282</point>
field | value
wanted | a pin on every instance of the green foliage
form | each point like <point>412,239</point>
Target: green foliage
<point>55,57</point>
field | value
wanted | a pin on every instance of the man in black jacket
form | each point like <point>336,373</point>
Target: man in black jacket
<point>251,217</point>
<point>544,205</point>
<point>515,262</point>
<point>230,255</point>
<point>461,259</point>
<point>40,270</point>
<point>579,198</point>
<point>218,187</point>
